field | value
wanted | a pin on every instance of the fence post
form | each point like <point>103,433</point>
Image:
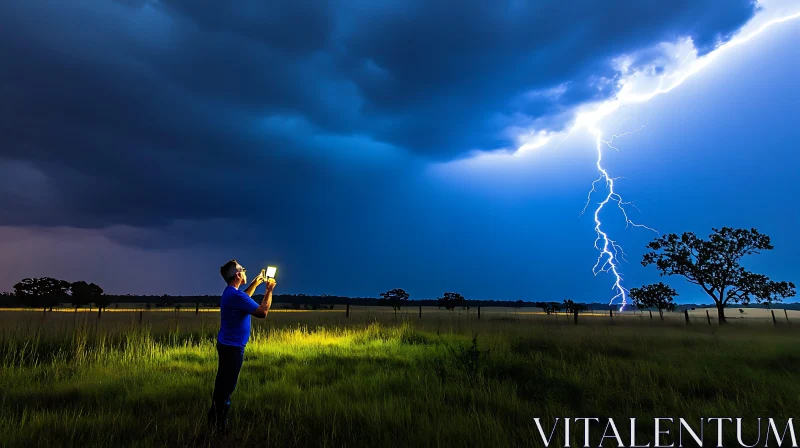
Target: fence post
<point>611,313</point>
<point>197,308</point>
<point>479,313</point>
<point>686,314</point>
<point>575,314</point>
<point>708,316</point>
<point>773,317</point>
<point>787,316</point>
<point>347,312</point>
<point>420,311</point>
<point>651,314</point>
<point>140,317</point>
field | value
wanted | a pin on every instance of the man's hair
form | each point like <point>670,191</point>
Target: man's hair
<point>228,270</point>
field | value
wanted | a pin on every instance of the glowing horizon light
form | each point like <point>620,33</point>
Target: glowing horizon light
<point>608,260</point>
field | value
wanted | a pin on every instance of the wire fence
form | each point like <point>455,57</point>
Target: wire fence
<point>696,316</point>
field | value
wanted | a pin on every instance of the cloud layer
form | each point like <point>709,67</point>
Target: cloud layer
<point>146,114</point>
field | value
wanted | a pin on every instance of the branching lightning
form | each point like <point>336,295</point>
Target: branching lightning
<point>610,250</point>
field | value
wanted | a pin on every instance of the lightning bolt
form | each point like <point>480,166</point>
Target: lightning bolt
<point>610,251</point>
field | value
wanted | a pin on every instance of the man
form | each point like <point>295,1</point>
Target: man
<point>236,307</point>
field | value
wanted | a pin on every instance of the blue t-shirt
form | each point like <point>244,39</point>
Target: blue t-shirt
<point>235,308</point>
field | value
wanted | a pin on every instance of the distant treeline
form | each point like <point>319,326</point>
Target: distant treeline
<point>304,301</point>
<point>297,299</point>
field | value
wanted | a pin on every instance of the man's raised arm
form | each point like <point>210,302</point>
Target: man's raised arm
<point>251,289</point>
<point>266,303</point>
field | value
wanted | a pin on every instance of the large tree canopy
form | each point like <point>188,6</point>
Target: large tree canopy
<point>44,291</point>
<point>715,265</point>
<point>83,292</point>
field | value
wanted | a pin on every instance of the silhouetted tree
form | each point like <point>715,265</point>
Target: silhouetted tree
<point>547,307</point>
<point>41,292</point>
<point>544,306</point>
<point>713,264</point>
<point>658,295</point>
<point>80,291</point>
<point>100,300</point>
<point>570,306</point>
<point>95,290</point>
<point>396,298</point>
<point>451,300</point>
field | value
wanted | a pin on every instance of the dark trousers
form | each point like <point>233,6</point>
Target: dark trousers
<point>230,363</point>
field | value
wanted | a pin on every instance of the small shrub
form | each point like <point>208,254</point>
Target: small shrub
<point>471,360</point>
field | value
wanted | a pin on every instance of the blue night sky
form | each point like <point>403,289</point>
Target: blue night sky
<point>362,146</point>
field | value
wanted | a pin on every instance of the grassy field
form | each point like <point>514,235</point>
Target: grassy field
<point>320,379</point>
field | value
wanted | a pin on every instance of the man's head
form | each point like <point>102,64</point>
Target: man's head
<point>233,273</point>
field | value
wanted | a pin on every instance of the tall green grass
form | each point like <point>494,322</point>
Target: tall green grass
<point>403,383</point>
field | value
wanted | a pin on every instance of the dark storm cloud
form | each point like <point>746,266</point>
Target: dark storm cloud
<point>142,113</point>
<point>442,72</point>
<point>297,27</point>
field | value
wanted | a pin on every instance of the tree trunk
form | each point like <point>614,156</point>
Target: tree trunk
<point>99,311</point>
<point>721,313</point>
<point>661,313</point>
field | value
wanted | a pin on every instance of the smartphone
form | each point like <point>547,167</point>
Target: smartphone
<point>270,273</point>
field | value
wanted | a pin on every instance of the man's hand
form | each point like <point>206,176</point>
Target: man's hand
<point>261,277</point>
<point>271,284</point>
